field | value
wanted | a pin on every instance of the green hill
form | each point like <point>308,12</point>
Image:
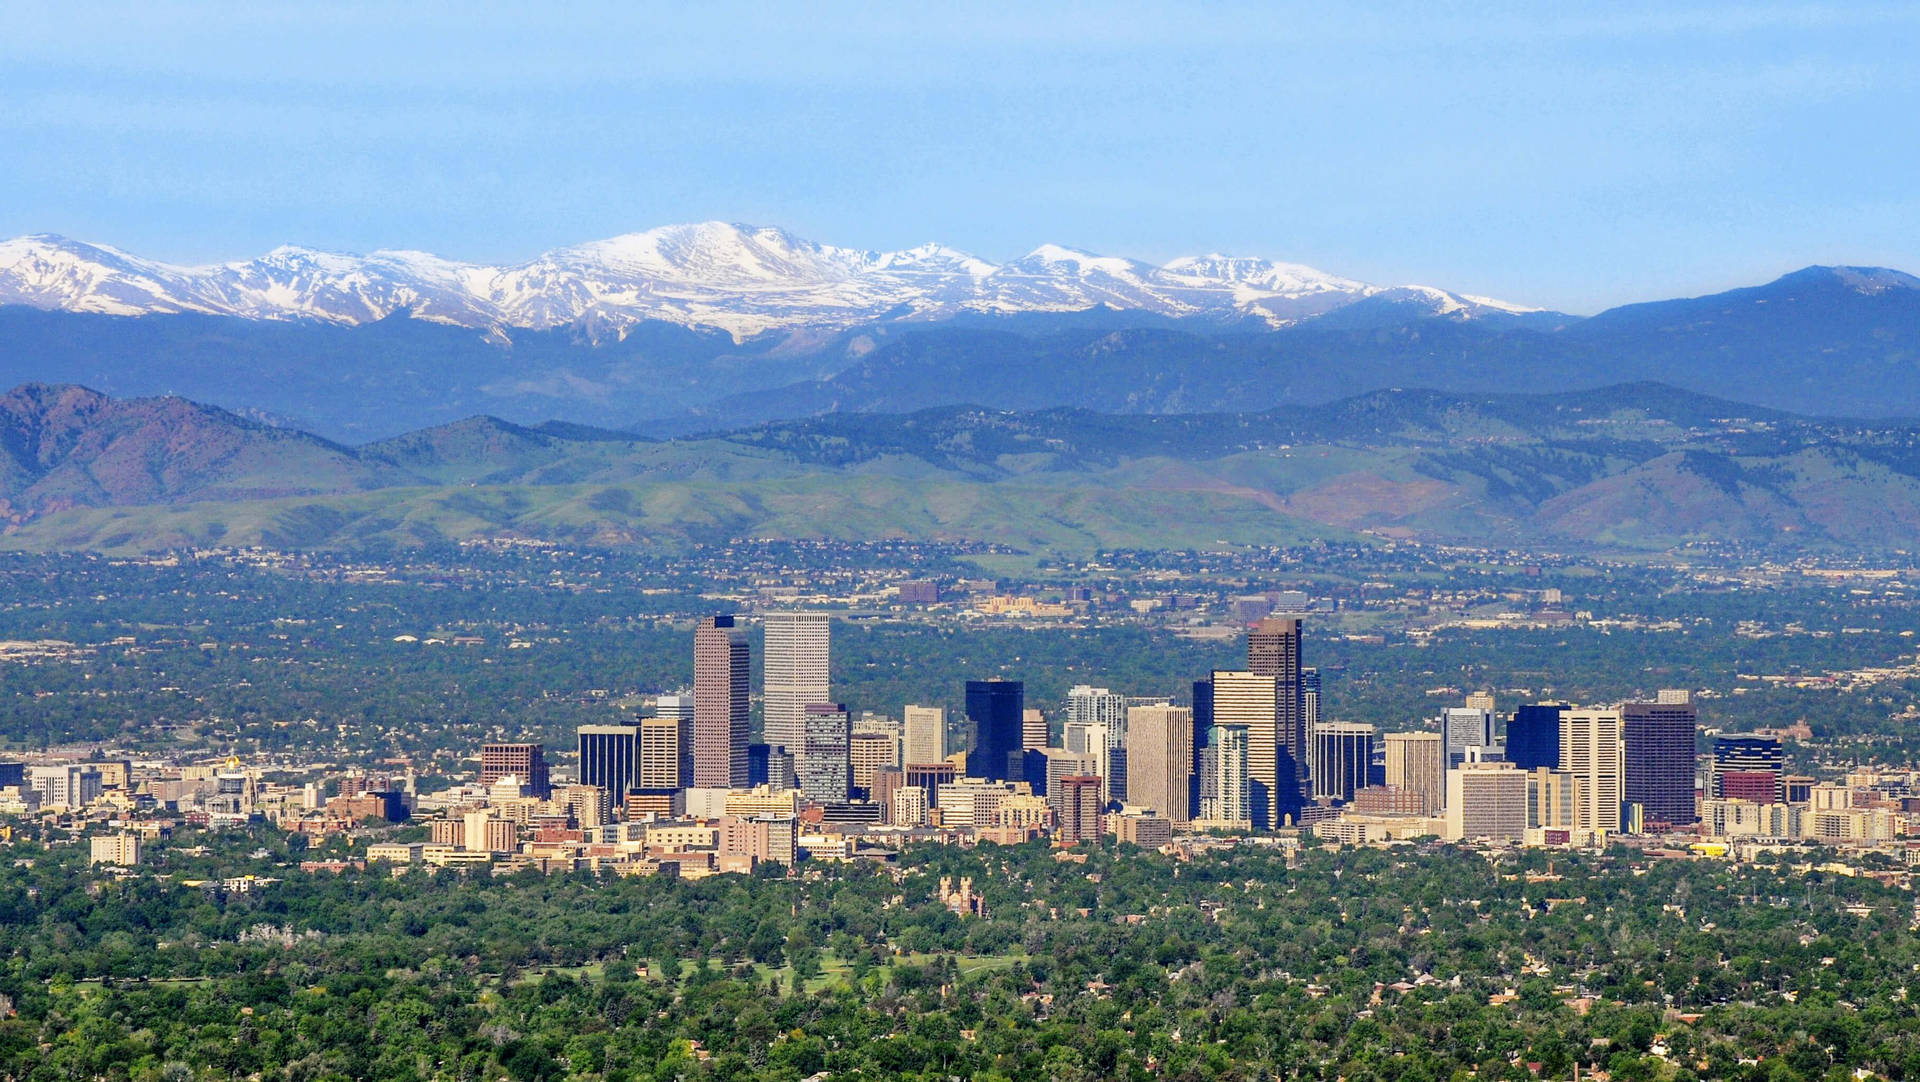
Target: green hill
<point>1637,466</point>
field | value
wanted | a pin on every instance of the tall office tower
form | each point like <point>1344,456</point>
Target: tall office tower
<point>1590,751</point>
<point>1088,705</point>
<point>1077,810</point>
<point>1747,767</point>
<point>869,753</point>
<point>996,708</point>
<point>610,758</point>
<point>1310,701</point>
<point>1159,759</point>
<point>1480,700</point>
<point>528,762</point>
<point>1533,736</point>
<point>796,659</point>
<point>1033,729</point>
<point>720,668</point>
<point>1486,800</point>
<point>924,735</point>
<point>680,708</point>
<point>1274,648</point>
<point>1342,752</point>
<point>1465,727</point>
<point>1225,790</point>
<point>1202,721</point>
<point>660,757</point>
<point>1416,763</point>
<point>1660,750</point>
<point>825,765</point>
<point>1250,701</point>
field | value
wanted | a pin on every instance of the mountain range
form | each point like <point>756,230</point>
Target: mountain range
<point>744,280</point>
<point>712,327</point>
<point>1632,467</point>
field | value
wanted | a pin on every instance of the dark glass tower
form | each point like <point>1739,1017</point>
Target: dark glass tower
<point>995,708</point>
<point>1533,736</point>
<point>1273,649</point>
<point>1660,752</point>
<point>1202,721</point>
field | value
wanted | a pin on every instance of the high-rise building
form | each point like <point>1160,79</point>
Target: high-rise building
<point>1225,790</point>
<point>924,738</point>
<point>660,754</point>
<point>1202,721</point>
<point>1590,751</point>
<point>826,765</point>
<point>869,753</point>
<point>1252,701</point>
<point>1480,700</point>
<point>1159,759</point>
<point>1486,801</point>
<point>1533,736</point>
<point>1275,649</point>
<point>1089,705</point>
<point>1342,752</point>
<point>1660,759</point>
<point>609,758</point>
<point>1416,763</point>
<point>720,689</point>
<point>795,658</point>
<point>1466,727</point>
<point>1077,810</point>
<point>1310,701</point>
<point>528,762</point>
<point>996,708</point>
<point>1748,763</point>
<point>1033,729</point>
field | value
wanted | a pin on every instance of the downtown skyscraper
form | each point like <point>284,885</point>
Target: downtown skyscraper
<point>997,710</point>
<point>796,658</point>
<point>720,690</point>
<point>1660,756</point>
<point>1274,649</point>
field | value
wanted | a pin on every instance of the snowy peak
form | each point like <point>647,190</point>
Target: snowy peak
<point>742,279</point>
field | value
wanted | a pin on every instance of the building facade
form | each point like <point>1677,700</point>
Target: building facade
<point>720,708</point>
<point>1590,750</point>
<point>1659,745</point>
<point>528,762</point>
<point>796,659</point>
<point>1342,752</point>
<point>1416,763</point>
<point>826,767</point>
<point>609,758</point>
<point>996,709</point>
<point>1159,759</point>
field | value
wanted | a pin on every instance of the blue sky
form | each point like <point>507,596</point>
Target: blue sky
<point>1562,155</point>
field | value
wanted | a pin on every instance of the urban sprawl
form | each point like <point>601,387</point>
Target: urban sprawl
<point>1244,756</point>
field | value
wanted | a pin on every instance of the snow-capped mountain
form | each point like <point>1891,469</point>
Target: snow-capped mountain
<point>740,279</point>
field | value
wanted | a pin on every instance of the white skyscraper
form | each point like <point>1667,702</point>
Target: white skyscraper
<point>1088,705</point>
<point>797,665</point>
<point>1591,750</point>
<point>1464,727</point>
<point>924,736</point>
